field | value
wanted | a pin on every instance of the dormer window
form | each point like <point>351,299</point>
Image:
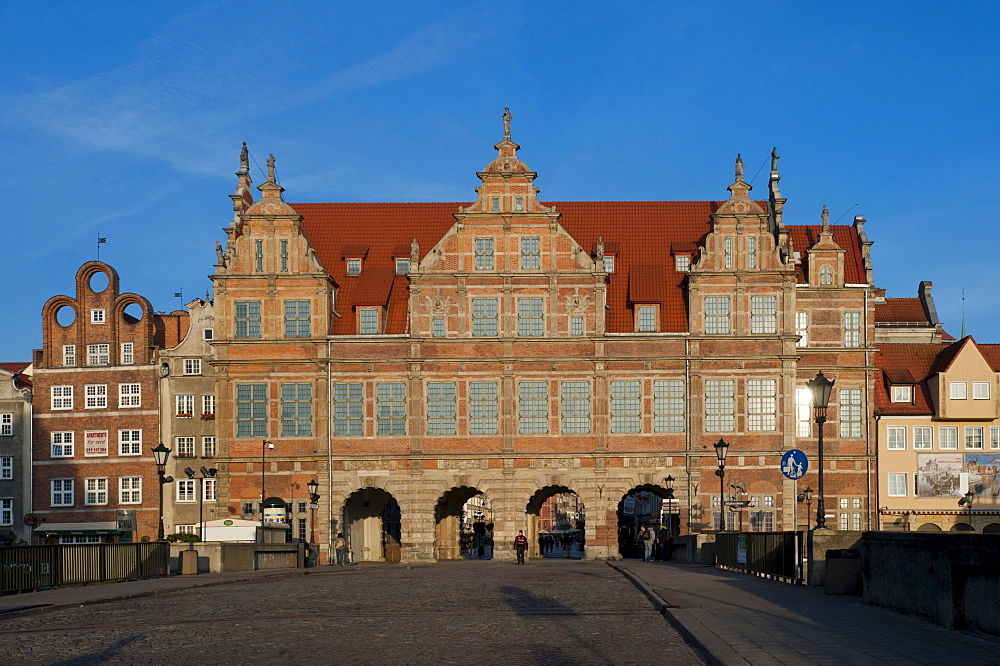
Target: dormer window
<point>646,318</point>
<point>402,266</point>
<point>682,263</point>
<point>958,390</point>
<point>902,394</point>
<point>354,266</point>
<point>826,275</point>
<point>980,390</point>
<point>609,263</point>
<point>369,321</point>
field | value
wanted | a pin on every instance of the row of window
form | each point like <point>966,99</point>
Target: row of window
<point>923,437</point>
<point>96,396</point>
<point>956,391</point>
<point>63,444</point>
<point>764,319</point>
<point>95,491</point>
<point>184,405</point>
<point>99,354</point>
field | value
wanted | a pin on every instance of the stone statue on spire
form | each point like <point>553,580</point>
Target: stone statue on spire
<point>414,253</point>
<point>270,169</point>
<point>826,219</point>
<point>506,123</point>
<point>774,158</point>
<point>739,167</point>
<point>245,159</point>
<point>600,247</point>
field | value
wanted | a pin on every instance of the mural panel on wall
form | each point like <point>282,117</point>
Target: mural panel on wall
<point>953,474</point>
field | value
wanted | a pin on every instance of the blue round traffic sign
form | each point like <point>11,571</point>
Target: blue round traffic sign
<point>794,464</point>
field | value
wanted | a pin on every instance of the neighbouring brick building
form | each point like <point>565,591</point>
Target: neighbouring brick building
<point>15,451</point>
<point>410,356</point>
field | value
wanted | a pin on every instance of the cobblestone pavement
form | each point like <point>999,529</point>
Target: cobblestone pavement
<point>546,612</point>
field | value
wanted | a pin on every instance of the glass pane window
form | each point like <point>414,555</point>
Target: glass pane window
<point>850,412</point>
<point>897,485</point>
<point>484,316</point>
<point>668,405</point>
<point>980,390</point>
<point>208,446</point>
<point>441,411</point>
<point>574,407</point>
<point>61,492</point>
<point>803,412</point>
<point>576,325</point>
<point>184,447</point>
<point>348,410</point>
<point>974,437</point>
<point>923,437</point>
<point>69,355</point>
<point>99,354</point>
<point>62,397</point>
<point>369,321</point>
<point>802,329</point>
<point>720,405</point>
<point>296,410</point>
<point>62,444</point>
<point>128,353</point>
<point>717,315</point>
<point>852,329</point>
<point>626,406</point>
<point>647,318</point>
<point>6,468</point>
<point>484,254</point>
<point>437,327</point>
<point>186,489</point>
<point>391,408</point>
<point>130,442</point>
<point>948,437</point>
<point>682,263</point>
<point>184,405</point>
<point>130,490</point>
<point>297,319</point>
<point>96,491</point>
<point>531,257</point>
<point>959,390</point>
<point>96,396</point>
<point>761,405</point>
<point>251,410</point>
<point>896,438</point>
<point>529,316</point>
<point>129,395</point>
<point>533,408</point>
<point>763,314</point>
<point>6,425</point>
<point>483,408</point>
<point>192,366</point>
<point>247,319</point>
<point>354,266</point>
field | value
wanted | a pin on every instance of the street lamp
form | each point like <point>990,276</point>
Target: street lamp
<point>264,446</point>
<point>805,496</point>
<point>967,501</point>
<point>669,482</point>
<point>313,486</point>
<point>160,455</point>
<point>205,474</point>
<point>721,449</point>
<point>821,388</point>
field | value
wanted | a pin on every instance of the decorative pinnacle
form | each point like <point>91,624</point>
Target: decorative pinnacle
<point>739,167</point>
<point>826,219</point>
<point>774,159</point>
<point>506,123</point>
<point>270,169</point>
<point>244,159</point>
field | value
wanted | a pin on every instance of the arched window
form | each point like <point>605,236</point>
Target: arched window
<point>826,275</point>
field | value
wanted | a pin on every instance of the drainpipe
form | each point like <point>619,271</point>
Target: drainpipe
<point>687,428</point>
<point>329,451</point>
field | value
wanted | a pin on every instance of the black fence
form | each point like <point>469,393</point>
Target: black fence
<point>25,568</point>
<point>771,554</point>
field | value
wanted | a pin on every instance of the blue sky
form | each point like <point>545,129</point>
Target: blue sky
<point>125,120</point>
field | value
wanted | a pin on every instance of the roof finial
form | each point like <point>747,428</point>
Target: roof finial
<point>739,168</point>
<point>774,159</point>
<point>826,219</point>
<point>244,159</point>
<point>506,123</point>
<point>270,169</point>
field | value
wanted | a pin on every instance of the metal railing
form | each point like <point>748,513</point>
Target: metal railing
<point>24,568</point>
<point>771,554</point>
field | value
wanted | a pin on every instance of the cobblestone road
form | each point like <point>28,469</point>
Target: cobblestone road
<point>546,612</point>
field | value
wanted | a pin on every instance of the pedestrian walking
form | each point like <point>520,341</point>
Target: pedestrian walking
<point>647,543</point>
<point>340,546</point>
<point>520,545</point>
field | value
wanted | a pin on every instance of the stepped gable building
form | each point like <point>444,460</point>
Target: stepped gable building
<point>410,356</point>
<point>96,411</point>
<point>15,451</point>
<point>938,414</point>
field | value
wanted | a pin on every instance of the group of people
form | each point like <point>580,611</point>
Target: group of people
<point>654,543</point>
<point>550,543</point>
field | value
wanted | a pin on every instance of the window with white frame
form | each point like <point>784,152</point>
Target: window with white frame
<point>348,409</point>
<point>184,447</point>
<point>531,255</point>
<point>948,437</point>
<point>682,263</point>
<point>902,393</point>
<point>720,405</point>
<point>62,444</point>
<point>852,329</point>
<point>668,405</point>
<point>127,355</point>
<point>483,408</point>
<point>803,412</point>
<point>207,405</point>
<point>247,319</point>
<point>77,539</point>
<point>717,315</point>
<point>130,442</point>
<point>574,407</point>
<point>192,366</point>
<point>519,204</point>
<point>958,390</point>
<point>763,314</point>
<point>96,491</point>
<point>297,319</point>
<point>495,204</point>
<point>923,437</point>
<point>437,327</point>
<point>484,316</point>
<point>98,354</point>
<point>208,446</point>
<point>130,395</point>
<point>390,407</point>
<point>826,275</point>
<point>97,317</point>
<point>761,405</point>
<point>441,409</point>
<point>728,516</point>
<point>369,321</point>
<point>761,513</point>
<point>186,490</point>
<point>62,397</point>
<point>130,490</point>
<point>752,252</point>
<point>727,254</point>
<point>6,468</point>
<point>994,437</point>
<point>283,255</point>
<point>850,412</point>
<point>529,316</point>
<point>208,489</point>
<point>897,484</point>
<point>6,512</point>
<point>980,390</point>
<point>533,408</point>
<point>296,410</point>
<point>896,438</point>
<point>96,396</point>
<point>626,406</point>
<point>6,425</point>
<point>576,325</point>
<point>802,329</point>
<point>402,266</point>
<point>61,492</point>
<point>258,255</point>
<point>609,263</point>
<point>69,355</point>
<point>646,318</point>
<point>484,254</point>
<point>185,405</point>
<point>974,437</point>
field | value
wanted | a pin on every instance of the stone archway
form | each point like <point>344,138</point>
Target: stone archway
<point>992,528</point>
<point>558,514</point>
<point>644,505</point>
<point>463,515</point>
<point>961,527</point>
<point>929,527</point>
<point>372,526</point>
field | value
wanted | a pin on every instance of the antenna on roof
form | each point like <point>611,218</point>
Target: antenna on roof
<point>963,313</point>
<point>846,212</point>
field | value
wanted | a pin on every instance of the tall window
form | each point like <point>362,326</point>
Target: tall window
<point>519,204</point>
<point>761,404</point>
<point>6,512</point>
<point>441,408</point>
<point>96,491</point>
<point>208,490</point>
<point>184,447</point>
<point>62,444</point>
<point>716,315</point>
<point>297,319</point>
<point>186,490</point>
<point>529,316</point>
<point>802,329</point>
<point>192,366</point>
<point>923,437</point>
<point>207,405</point>
<point>994,437</point>
<point>6,468</point>
<point>251,410</point>
<point>99,354</point>
<point>728,253</point>
<point>259,256</point>
<point>495,204</point>
<point>283,247</point>
<point>484,254</point>
<point>896,438</point>
<point>369,321</point>
<point>973,437</point>
<point>626,406</point>
<point>129,395</point>
<point>185,405</point>
<point>484,316</point>
<point>826,275</point>
<point>61,492</point>
<point>533,408</point>
<point>437,327</point>
<point>803,412</point>
<point>391,407</point>
<point>531,256</point>
<point>763,314</point>
<point>96,396</point>
<point>483,408</point>
<point>6,425</point>
<point>127,353</point>
<point>752,252</point>
<point>208,447</point>
<point>668,405</point>
<point>761,513</point>
<point>720,405</point>
<point>62,397</point>
<point>348,409</point>
<point>852,329</point>
<point>130,442</point>
<point>296,410</point>
<point>354,266</point>
<point>247,319</point>
<point>69,355</point>
<point>574,407</point>
<point>130,490</point>
<point>576,325</point>
<point>647,318</point>
<point>850,412</point>
<point>609,263</point>
<point>948,437</point>
<point>897,485</point>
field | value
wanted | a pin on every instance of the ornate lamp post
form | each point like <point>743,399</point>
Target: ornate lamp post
<point>669,482</point>
<point>807,495</point>
<point>821,387</point>
<point>967,501</point>
<point>721,449</point>
<point>313,486</point>
<point>205,474</point>
<point>160,455</point>
<point>264,446</point>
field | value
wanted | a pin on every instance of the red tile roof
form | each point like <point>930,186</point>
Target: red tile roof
<point>901,312</point>
<point>15,366</point>
<point>805,236</point>
<point>641,233</point>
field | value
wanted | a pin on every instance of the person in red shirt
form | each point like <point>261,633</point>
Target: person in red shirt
<point>520,545</point>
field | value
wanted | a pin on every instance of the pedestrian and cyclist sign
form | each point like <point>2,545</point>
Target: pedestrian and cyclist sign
<point>794,464</point>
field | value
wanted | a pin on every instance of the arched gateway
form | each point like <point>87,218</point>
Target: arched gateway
<point>372,526</point>
<point>463,520</point>
<point>556,519</point>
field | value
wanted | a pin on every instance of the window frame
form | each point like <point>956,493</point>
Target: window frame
<point>98,354</point>
<point>390,409</point>
<point>483,253</point>
<point>720,405</point>
<point>130,490</point>
<point>95,396</point>
<point>296,410</point>
<point>896,484</point>
<point>718,312</point>
<point>958,390</point>
<point>442,409</point>
<point>902,393</point>
<point>7,424</point>
<point>531,253</point>
<point>851,403</point>
<point>127,353</point>
<point>574,407</point>
<point>763,314</point>
<point>69,356</point>
<point>129,395</point>
<point>187,491</point>
<point>762,405</point>
<point>130,442</point>
<point>247,319</point>
<point>484,409</point>
<point>948,438</point>
<point>485,317</point>
<point>348,409</point>
<point>297,318</point>
<point>895,438</point>
<point>184,405</point>
<point>251,410</point>
<point>61,397</point>
<point>95,491</point>
<point>646,318</point>
<point>65,492</point>
<point>668,405</point>
<point>192,366</point>
<point>530,317</point>
<point>368,321</point>
<point>981,390</point>
<point>63,444</point>
<point>532,408</point>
